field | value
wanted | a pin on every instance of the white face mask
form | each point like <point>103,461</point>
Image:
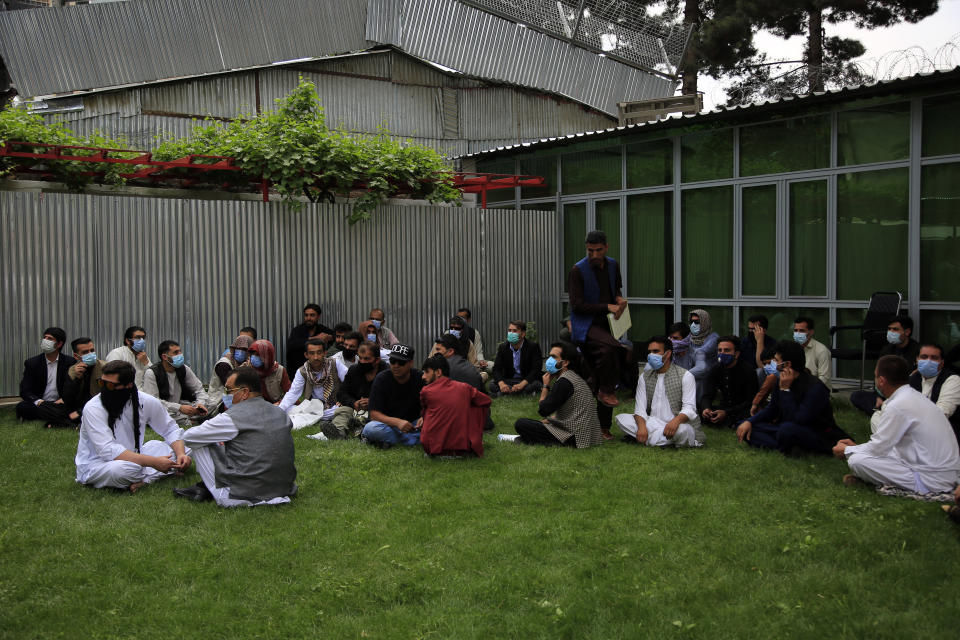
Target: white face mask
<point>48,346</point>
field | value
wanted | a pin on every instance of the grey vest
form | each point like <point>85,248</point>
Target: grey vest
<point>577,416</point>
<point>258,463</point>
<point>673,386</point>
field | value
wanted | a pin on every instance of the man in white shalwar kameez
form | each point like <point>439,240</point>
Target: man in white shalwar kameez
<point>670,416</point>
<point>111,451</point>
<point>912,447</point>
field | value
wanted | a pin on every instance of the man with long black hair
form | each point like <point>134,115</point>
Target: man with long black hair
<point>111,451</point>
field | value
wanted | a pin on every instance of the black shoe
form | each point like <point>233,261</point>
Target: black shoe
<point>196,493</point>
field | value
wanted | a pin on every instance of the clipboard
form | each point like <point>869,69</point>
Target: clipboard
<point>618,327</point>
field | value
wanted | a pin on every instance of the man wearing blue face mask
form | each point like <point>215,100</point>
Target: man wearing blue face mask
<point>938,383</point>
<point>736,381</point>
<point>900,342</point>
<point>517,366</point>
<point>385,335</point>
<point>176,386</point>
<point>234,357</point>
<point>665,412</point>
<point>133,351</point>
<point>83,378</point>
<point>44,381</point>
<point>818,358</point>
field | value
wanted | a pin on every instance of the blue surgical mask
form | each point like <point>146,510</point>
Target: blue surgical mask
<point>893,337</point>
<point>877,389</point>
<point>239,355</point>
<point>695,328</point>
<point>89,359</point>
<point>371,337</point>
<point>771,369</point>
<point>225,353</point>
<point>551,365</point>
<point>228,401</point>
<point>655,360</point>
<point>455,333</point>
<point>799,338</point>
<point>513,337</point>
<point>726,359</point>
<point>376,324</point>
<point>139,345</point>
<point>177,360</point>
<point>928,368</point>
<point>255,361</point>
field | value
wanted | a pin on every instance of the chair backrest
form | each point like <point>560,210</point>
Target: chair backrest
<point>883,306</point>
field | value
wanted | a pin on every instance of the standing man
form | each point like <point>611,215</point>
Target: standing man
<point>817,354</point>
<point>594,285</point>
<point>518,364</point>
<point>176,386</point>
<point>44,381</point>
<point>385,336</point>
<point>454,413</point>
<point>111,451</point>
<point>309,328</point>
<point>395,402</point>
<point>83,378</point>
<point>665,411</point>
<point>900,342</point>
<point>133,351</point>
<point>244,455</point>
<point>912,445</point>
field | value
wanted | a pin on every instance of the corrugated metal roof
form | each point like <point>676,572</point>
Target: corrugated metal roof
<point>846,93</point>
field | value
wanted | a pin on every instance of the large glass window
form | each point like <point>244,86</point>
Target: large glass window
<point>797,144</point>
<point>507,166</point>
<point>706,156</point>
<point>607,213</point>
<point>942,327</point>
<point>539,206</point>
<point>650,245</point>
<point>873,134</point>
<point>648,320</point>
<point>850,339</point>
<point>941,135</point>
<point>650,164</point>
<point>808,238</point>
<point>759,241</point>
<point>940,232</point>
<point>574,232</point>
<point>721,318</point>
<point>707,242</point>
<point>592,171</point>
<point>781,321</point>
<point>546,167</point>
<point>872,237</point>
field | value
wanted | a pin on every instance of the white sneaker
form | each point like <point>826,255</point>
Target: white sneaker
<point>319,436</point>
<point>506,437</point>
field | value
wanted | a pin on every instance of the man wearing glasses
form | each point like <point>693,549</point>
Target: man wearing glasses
<point>395,403</point>
<point>111,451</point>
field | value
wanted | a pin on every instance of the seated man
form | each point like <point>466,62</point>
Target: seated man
<point>817,355</point>
<point>567,404</point>
<point>244,455</point>
<point>799,414</point>
<point>369,332</point>
<point>347,356</point>
<point>665,412</point>
<point>449,347</point>
<point>176,386</point>
<point>756,341</point>
<point>735,379</point>
<point>315,380</point>
<point>453,412</point>
<point>354,394</point>
<point>83,377</point>
<point>340,330</point>
<point>385,337</point>
<point>232,359</point>
<point>473,335</point>
<point>899,343</point>
<point>770,381</point>
<point>683,354</point>
<point>311,327</point>
<point>133,351</point>
<point>938,383</point>
<point>111,451</point>
<point>44,381</point>
<point>518,363</point>
<point>912,446</point>
<point>459,329</point>
<point>395,402</point>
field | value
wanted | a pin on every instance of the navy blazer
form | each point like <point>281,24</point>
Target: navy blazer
<point>34,379</point>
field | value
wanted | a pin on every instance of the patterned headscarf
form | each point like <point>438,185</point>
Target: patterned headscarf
<point>706,328</point>
<point>240,342</point>
<point>267,353</point>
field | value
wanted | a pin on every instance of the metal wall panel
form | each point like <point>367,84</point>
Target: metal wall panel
<point>173,267</point>
<point>222,96</point>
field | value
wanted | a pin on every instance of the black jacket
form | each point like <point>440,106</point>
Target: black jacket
<point>34,379</point>
<point>531,362</point>
<point>297,345</point>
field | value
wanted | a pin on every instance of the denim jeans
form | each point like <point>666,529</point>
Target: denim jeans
<point>376,431</point>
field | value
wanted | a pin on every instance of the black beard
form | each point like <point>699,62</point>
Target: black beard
<point>114,402</point>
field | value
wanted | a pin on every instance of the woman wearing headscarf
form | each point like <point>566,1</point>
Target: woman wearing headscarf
<point>703,342</point>
<point>231,360</point>
<point>274,381</point>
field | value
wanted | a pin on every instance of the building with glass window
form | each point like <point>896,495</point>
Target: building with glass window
<point>802,206</point>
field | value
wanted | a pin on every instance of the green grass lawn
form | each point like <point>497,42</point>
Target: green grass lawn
<point>616,541</point>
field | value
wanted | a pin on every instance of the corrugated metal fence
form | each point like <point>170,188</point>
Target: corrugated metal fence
<point>197,271</point>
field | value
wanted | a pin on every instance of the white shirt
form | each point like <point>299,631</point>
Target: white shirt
<point>173,406</point>
<point>50,393</point>
<point>818,360</point>
<point>219,428</point>
<point>342,364</point>
<point>914,431</point>
<point>126,354</point>
<point>296,390</point>
<point>660,406</point>
<point>949,396</point>
<point>478,344</point>
<point>99,445</point>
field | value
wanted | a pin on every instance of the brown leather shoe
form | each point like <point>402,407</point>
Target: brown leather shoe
<point>851,480</point>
